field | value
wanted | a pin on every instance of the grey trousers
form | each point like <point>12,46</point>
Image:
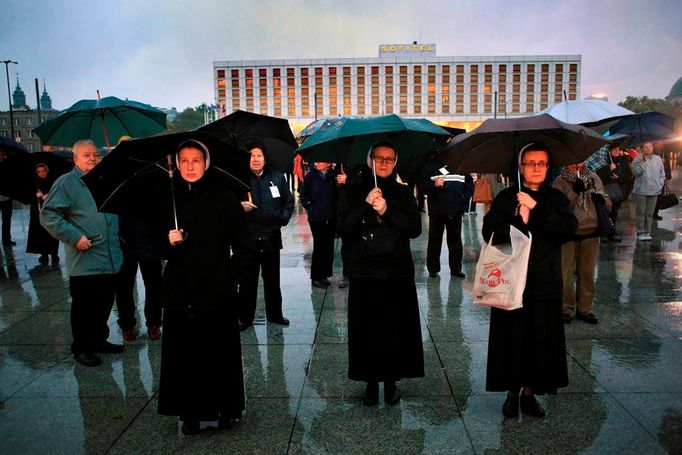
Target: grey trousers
<point>645,211</point>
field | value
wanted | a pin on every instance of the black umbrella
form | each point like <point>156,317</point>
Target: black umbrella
<point>494,145</point>
<point>10,146</point>
<point>136,173</point>
<point>240,129</point>
<point>18,178</point>
<point>645,127</point>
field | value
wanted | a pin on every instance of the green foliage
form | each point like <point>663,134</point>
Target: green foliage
<point>187,120</point>
<point>644,103</point>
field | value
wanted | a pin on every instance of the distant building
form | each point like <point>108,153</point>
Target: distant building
<point>675,96</point>
<point>25,118</point>
<point>170,113</point>
<point>407,79</point>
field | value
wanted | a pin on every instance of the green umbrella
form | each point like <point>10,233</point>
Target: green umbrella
<point>102,120</point>
<point>350,141</point>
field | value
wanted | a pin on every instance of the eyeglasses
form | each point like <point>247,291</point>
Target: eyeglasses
<point>384,160</point>
<point>536,164</point>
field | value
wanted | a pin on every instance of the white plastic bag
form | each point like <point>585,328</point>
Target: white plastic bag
<point>501,278</point>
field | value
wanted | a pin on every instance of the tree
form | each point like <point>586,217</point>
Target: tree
<point>187,120</point>
<point>640,104</point>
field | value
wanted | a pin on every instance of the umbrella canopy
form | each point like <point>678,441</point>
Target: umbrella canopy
<point>104,121</point>
<point>136,172</point>
<point>18,174</point>
<point>10,146</point>
<point>494,145</point>
<point>645,127</point>
<point>350,141</point>
<point>240,129</point>
<point>586,112</point>
<point>600,158</point>
<point>322,124</point>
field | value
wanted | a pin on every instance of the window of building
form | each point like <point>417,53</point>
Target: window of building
<point>389,80</point>
<point>445,89</point>
<point>558,77</point>
<point>389,89</point>
<point>487,88</point>
<point>544,77</point>
<point>445,69</point>
<point>488,68</point>
<point>460,89</point>
<point>318,71</point>
<point>262,72</point>
<point>503,68</point>
<point>474,78</point>
<point>361,70</point>
<point>572,87</point>
<point>530,88</point>
<point>276,72</point>
<point>516,97</point>
<point>557,87</point>
<point>221,83</point>
<point>502,78</point>
<point>431,89</point>
<point>403,108</point>
<point>516,68</point>
<point>332,71</point>
<point>544,97</point>
<point>278,102</point>
<point>445,79</point>
<point>530,97</point>
<point>291,81</point>
<point>305,111</point>
<point>277,82</point>
<point>417,89</point>
<point>545,68</point>
<point>488,78</point>
<point>361,100</point>
<point>346,71</point>
<point>305,91</point>
<point>403,69</point>
<point>235,73</point>
<point>249,103</point>
<point>530,107</point>
<point>263,92</point>
<point>291,91</point>
<point>291,72</point>
<point>473,88</point>
<point>573,68</point>
<point>502,88</point>
<point>333,91</point>
<point>221,93</point>
<point>431,79</point>
<point>332,80</point>
<point>460,69</point>
<point>530,68</point>
<point>248,72</point>
<point>417,69</point>
<point>544,87</point>
<point>304,71</point>
<point>403,89</point>
<point>389,70</point>
<point>361,90</point>
<point>431,69</point>
<point>375,79</point>
<point>249,92</point>
<point>375,70</point>
<point>318,81</point>
<point>459,108</point>
<point>417,79</point>
<point>346,90</point>
<point>304,81</point>
<point>263,82</point>
<point>474,69</point>
<point>530,77</point>
<point>220,73</point>
<point>346,80</point>
<point>515,108</point>
<point>235,93</point>
<point>403,79</point>
<point>277,91</point>
<point>375,89</point>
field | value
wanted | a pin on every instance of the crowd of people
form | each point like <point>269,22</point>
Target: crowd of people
<point>218,247</point>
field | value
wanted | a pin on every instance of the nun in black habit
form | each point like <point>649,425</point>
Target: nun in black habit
<point>526,347</point>
<point>39,240</point>
<point>378,217</point>
<point>201,363</point>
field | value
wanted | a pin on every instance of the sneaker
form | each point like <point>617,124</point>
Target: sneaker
<point>130,334</point>
<point>153,332</point>
<point>344,282</point>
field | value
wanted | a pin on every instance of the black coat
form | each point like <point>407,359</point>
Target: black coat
<point>270,214</point>
<point>527,347</point>
<point>402,215</point>
<point>319,195</point>
<point>449,200</point>
<point>39,240</point>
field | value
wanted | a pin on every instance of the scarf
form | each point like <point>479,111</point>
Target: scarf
<point>583,175</point>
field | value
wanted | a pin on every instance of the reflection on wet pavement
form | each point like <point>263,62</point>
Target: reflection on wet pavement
<point>625,392</point>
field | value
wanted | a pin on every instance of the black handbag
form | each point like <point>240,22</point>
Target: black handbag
<point>666,199</point>
<point>379,241</point>
<point>605,227</point>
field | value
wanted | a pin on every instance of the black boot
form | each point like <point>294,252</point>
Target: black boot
<point>530,405</point>
<point>391,394</point>
<point>510,408</point>
<point>371,397</point>
<point>190,426</point>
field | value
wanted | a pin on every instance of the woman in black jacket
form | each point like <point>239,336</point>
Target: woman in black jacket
<point>526,347</point>
<point>384,333</point>
<point>39,240</point>
<point>201,364</point>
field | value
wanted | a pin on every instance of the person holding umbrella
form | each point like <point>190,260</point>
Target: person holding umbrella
<point>527,347</point>
<point>39,240</point>
<point>378,217</point>
<point>201,365</point>
<point>93,255</point>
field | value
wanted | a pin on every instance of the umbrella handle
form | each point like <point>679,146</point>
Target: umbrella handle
<point>169,160</point>
<point>104,126</point>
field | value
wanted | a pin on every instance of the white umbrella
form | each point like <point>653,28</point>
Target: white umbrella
<point>586,112</point>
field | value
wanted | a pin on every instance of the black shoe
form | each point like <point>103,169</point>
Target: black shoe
<point>55,259</point>
<point>322,284</point>
<point>566,318</point>
<point>391,394</point>
<point>510,408</point>
<point>371,397</point>
<point>9,243</point>
<point>281,321</point>
<point>190,427</point>
<point>225,422</point>
<point>458,274</point>
<point>110,348</point>
<point>590,318</point>
<point>433,274</point>
<point>87,359</point>
<point>657,217</point>
<point>530,406</point>
<point>43,259</point>
<point>243,326</point>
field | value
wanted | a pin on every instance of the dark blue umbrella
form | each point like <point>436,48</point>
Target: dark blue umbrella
<point>11,146</point>
<point>645,127</point>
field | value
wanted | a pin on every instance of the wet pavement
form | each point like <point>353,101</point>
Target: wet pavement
<point>625,392</point>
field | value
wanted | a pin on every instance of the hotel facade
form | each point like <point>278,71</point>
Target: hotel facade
<point>406,79</point>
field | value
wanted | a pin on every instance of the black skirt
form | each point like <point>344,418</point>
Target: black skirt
<point>384,331</point>
<point>39,240</point>
<point>527,348</point>
<point>201,366</point>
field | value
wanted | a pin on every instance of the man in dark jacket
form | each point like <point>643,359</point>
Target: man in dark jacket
<point>616,172</point>
<point>270,207</point>
<point>448,198</point>
<point>319,196</point>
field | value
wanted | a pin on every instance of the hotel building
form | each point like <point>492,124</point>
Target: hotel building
<point>406,79</point>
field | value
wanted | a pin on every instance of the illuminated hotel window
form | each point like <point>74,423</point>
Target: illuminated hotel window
<point>361,109</point>
<point>375,79</point>
<point>417,69</point>
<point>487,108</point>
<point>530,68</point>
<point>278,101</point>
<point>530,108</point>
<point>291,72</point>
<point>263,102</point>
<point>487,88</point>
<point>460,98</point>
<point>291,111</point>
<point>417,89</point>
<point>431,99</point>
<point>557,87</point>
<point>262,72</point>
<point>361,80</point>
<point>361,100</point>
<point>346,80</point>
<point>235,73</point>
<point>488,68</point>
<point>445,89</point>
<point>277,72</point>
<point>248,72</point>
<point>515,108</point>
<point>446,79</point>
<point>573,77</point>
<point>375,70</point>
<point>473,88</point>
<point>235,102</point>
<point>460,89</point>
<point>417,79</point>
<point>403,79</point>
<point>249,92</point>
<point>572,87</point>
<point>389,70</point>
<point>559,68</point>
<point>431,69</point>
<point>332,71</point>
<point>304,71</point>
<point>305,111</point>
<point>249,102</point>
<point>291,81</point>
<point>431,89</point>
<point>305,101</point>
<point>318,91</point>
<point>459,108</point>
<point>277,91</point>
<point>558,77</point>
<point>332,91</point>
<point>304,81</point>
<point>319,110</point>
<point>502,88</point>
<point>332,100</point>
<point>263,82</point>
<point>389,89</point>
<point>445,69</point>
<point>375,90</point>
<point>544,87</point>
<point>530,77</point>
<point>445,108</point>
<point>516,77</point>
<point>488,78</point>
<point>276,82</point>
<point>221,93</point>
<point>543,106</point>
<point>516,88</point>
<point>417,108</point>
<point>474,79</point>
<point>361,90</point>
<point>557,98</point>
<point>574,68</point>
<point>530,88</point>
<point>389,80</point>
<point>305,91</point>
<point>346,71</point>
<point>503,68</point>
<point>235,93</point>
<point>460,79</point>
<point>361,70</point>
<point>544,77</point>
<point>460,69</point>
<point>474,69</point>
<point>375,100</point>
<point>431,79</point>
<point>318,71</point>
<point>318,81</point>
<point>221,83</point>
<point>332,80</point>
<point>403,89</point>
<point>249,82</point>
<point>291,91</point>
<point>221,73</point>
<point>346,90</point>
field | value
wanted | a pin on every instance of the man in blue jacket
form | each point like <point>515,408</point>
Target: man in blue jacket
<point>93,255</point>
<point>448,198</point>
<point>270,207</point>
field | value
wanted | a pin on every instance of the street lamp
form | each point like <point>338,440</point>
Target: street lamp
<point>9,96</point>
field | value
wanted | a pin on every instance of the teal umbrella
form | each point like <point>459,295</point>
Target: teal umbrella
<point>349,142</point>
<point>102,120</point>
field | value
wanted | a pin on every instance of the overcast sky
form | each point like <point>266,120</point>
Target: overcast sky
<point>162,52</point>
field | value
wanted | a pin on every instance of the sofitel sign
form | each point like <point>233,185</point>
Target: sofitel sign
<point>407,48</point>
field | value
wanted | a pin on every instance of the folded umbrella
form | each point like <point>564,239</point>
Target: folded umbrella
<point>102,120</point>
<point>493,146</point>
<point>18,173</point>
<point>240,129</point>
